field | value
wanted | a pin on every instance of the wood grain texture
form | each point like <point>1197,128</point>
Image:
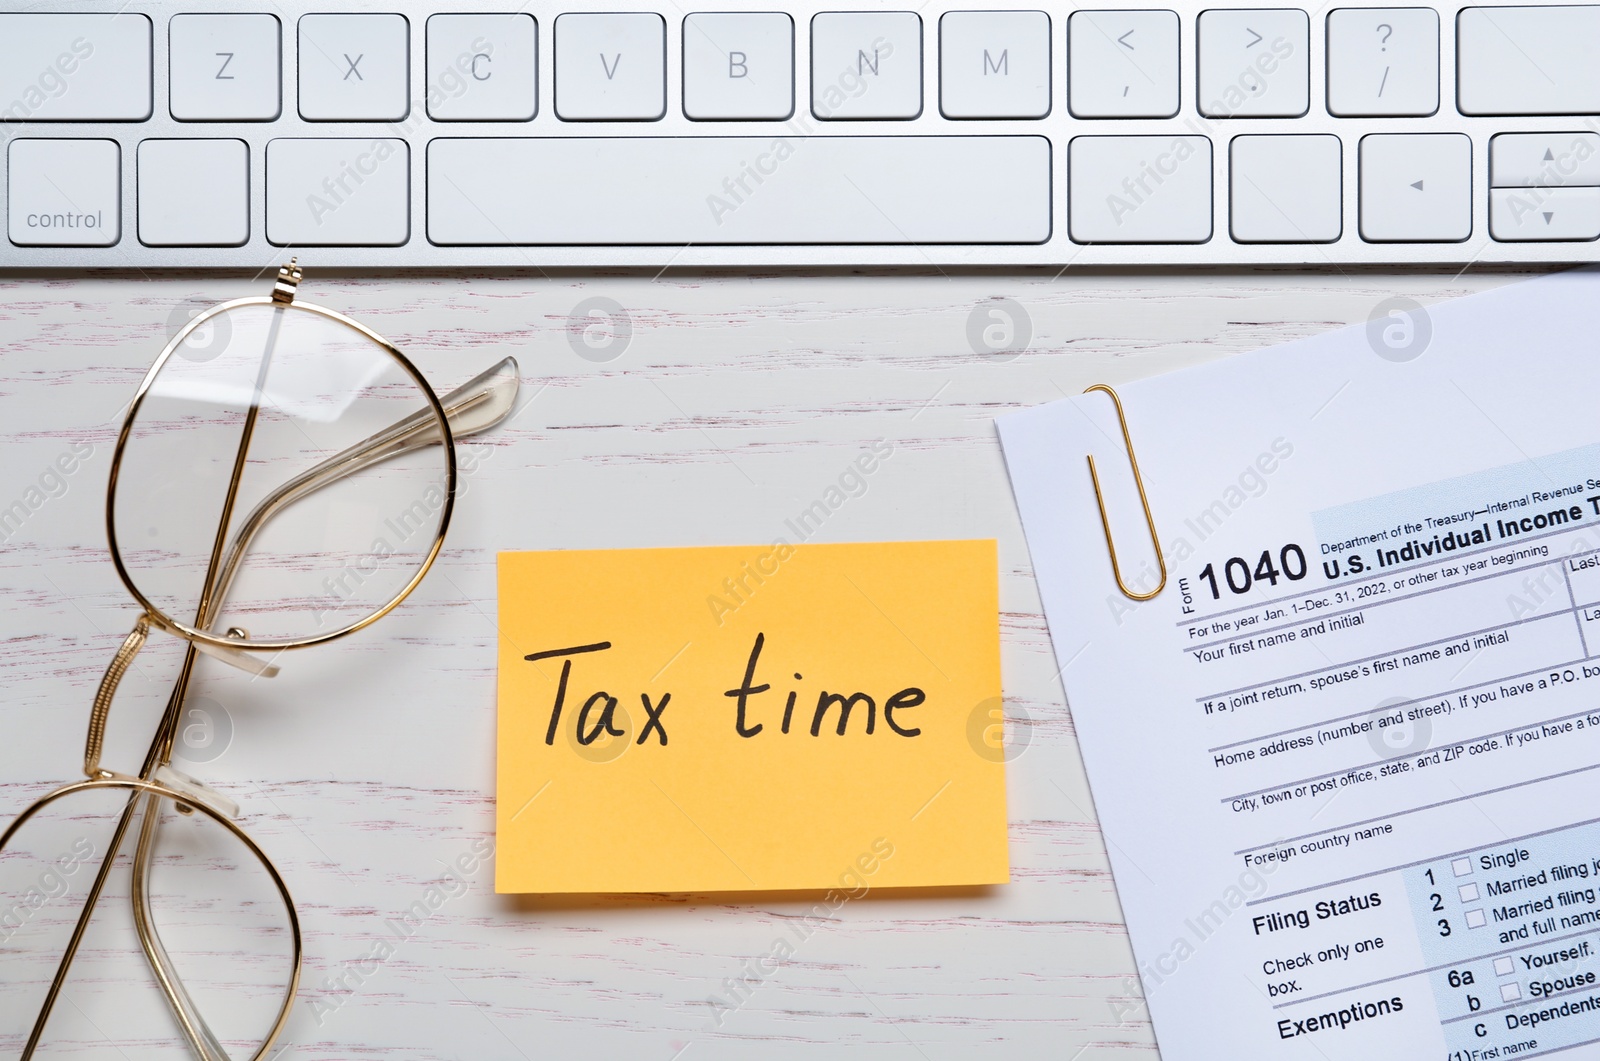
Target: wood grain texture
<point>737,401</point>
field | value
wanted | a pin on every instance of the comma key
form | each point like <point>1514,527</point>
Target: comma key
<point>64,193</point>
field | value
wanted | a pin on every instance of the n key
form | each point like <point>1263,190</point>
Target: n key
<point>866,65</point>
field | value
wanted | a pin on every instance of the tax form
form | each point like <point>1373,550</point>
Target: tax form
<point>1347,762</point>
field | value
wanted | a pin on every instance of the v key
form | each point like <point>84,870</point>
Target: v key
<point>611,67</point>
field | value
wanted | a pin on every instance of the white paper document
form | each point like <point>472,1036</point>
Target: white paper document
<point>1347,763</point>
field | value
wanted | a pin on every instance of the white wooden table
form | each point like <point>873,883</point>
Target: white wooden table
<point>734,403</point>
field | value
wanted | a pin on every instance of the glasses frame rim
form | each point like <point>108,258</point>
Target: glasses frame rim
<point>188,631</point>
<point>138,787</point>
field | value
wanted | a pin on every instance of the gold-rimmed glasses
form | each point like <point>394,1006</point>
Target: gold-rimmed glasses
<point>222,527</point>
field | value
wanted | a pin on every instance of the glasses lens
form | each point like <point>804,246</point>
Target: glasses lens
<point>287,468</point>
<point>216,913</point>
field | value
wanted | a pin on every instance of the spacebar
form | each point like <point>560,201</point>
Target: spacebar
<point>617,191</point>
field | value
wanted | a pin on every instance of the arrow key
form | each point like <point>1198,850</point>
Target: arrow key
<point>1551,160</point>
<point>1416,187</point>
<point>1524,214</point>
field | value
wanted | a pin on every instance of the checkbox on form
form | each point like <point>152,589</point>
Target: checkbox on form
<point>1475,919</point>
<point>1510,992</point>
<point>1462,866</point>
<point>1469,893</point>
<point>1504,966</point>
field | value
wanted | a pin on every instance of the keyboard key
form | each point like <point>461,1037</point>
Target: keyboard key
<point>64,193</point>
<point>739,190</point>
<point>1286,189</point>
<point>225,68</point>
<point>1383,61</point>
<point>1416,187</point>
<point>483,68</point>
<point>994,64</point>
<point>738,66</point>
<point>194,193</point>
<point>354,68</point>
<point>866,65</point>
<point>1528,214</point>
<point>1254,63</point>
<point>1122,64</point>
<point>1544,159</point>
<point>1528,60</point>
<point>46,75</point>
<point>611,67</point>
<point>338,193</point>
<point>1140,189</point>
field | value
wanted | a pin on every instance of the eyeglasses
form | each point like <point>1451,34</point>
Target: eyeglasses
<point>222,526</point>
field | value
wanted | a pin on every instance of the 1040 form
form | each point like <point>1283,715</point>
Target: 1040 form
<point>1347,760</point>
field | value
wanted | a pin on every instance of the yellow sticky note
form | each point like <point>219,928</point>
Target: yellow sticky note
<point>744,718</point>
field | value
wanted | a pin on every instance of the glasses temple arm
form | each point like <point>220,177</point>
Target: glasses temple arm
<point>477,405</point>
<point>199,1034</point>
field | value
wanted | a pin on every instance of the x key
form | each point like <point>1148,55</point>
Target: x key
<point>354,68</point>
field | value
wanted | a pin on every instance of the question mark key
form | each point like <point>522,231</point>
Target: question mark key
<point>1369,78</point>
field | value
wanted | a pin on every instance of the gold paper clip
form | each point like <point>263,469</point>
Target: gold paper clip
<point>1149,520</point>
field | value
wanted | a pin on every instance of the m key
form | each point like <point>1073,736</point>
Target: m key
<point>994,64</point>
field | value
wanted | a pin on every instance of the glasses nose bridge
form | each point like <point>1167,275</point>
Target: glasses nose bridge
<point>94,742</point>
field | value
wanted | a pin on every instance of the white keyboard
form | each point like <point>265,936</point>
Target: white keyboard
<point>594,133</point>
